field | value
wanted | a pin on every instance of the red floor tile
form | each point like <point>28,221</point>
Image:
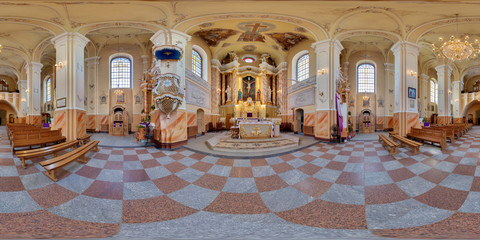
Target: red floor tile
<point>177,156</point>
<point>138,175</point>
<point>52,195</point>
<point>101,156</point>
<point>330,215</point>
<point>26,171</point>
<point>258,162</point>
<point>407,161</point>
<point>384,194</point>
<point>197,156</point>
<point>434,175</point>
<point>130,158</point>
<point>202,166</point>
<point>336,165</point>
<point>465,170</point>
<point>287,157</point>
<point>444,198</point>
<point>238,203</point>
<point>7,162</point>
<point>313,187</point>
<point>155,209</point>
<point>270,183</point>
<point>308,158</point>
<point>475,185</point>
<point>241,172</point>
<point>158,154</point>
<point>114,165</point>
<point>281,167</point>
<point>175,167</point>
<point>170,184</point>
<point>11,184</point>
<point>212,182</point>
<point>89,172</point>
<point>309,169</point>
<point>401,174</point>
<point>225,162</point>
<point>351,178</point>
<point>105,190</point>
<point>150,163</point>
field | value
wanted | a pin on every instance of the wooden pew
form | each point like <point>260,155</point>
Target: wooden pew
<point>430,135</point>
<point>386,141</point>
<point>84,139</point>
<point>37,138</point>
<point>449,131</point>
<point>41,152</point>
<point>405,141</point>
<point>77,154</point>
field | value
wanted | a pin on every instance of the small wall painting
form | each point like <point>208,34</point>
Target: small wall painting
<point>121,98</point>
<point>138,99</point>
<point>412,93</point>
<point>103,99</point>
<point>366,101</point>
<point>62,102</point>
<point>412,104</point>
<point>380,103</point>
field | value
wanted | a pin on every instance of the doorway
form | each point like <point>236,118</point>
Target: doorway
<point>299,120</point>
<point>200,125</point>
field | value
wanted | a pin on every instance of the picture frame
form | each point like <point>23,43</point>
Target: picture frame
<point>61,102</point>
<point>121,98</point>
<point>412,104</point>
<point>412,93</point>
<point>366,102</point>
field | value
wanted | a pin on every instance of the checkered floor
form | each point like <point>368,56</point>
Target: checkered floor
<point>353,190</point>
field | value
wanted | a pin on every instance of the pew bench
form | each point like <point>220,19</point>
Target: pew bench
<point>386,141</point>
<point>84,139</point>
<point>405,141</point>
<point>429,135</point>
<point>41,152</point>
<point>78,154</point>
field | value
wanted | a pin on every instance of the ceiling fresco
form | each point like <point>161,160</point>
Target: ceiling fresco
<point>215,35</point>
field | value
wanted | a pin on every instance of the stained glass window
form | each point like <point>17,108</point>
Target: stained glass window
<point>196,63</point>
<point>48,90</point>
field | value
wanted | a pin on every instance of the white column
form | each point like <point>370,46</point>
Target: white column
<point>443,77</point>
<point>424,95</point>
<point>406,69</point>
<point>92,87</point>
<point>70,84</point>
<point>389,86</point>
<point>456,99</point>
<point>34,71</point>
<point>22,88</point>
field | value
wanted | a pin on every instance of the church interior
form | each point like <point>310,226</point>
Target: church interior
<point>239,119</point>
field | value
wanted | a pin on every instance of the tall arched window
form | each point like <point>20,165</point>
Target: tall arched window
<point>3,85</point>
<point>366,78</point>
<point>303,67</point>
<point>48,90</point>
<point>120,73</point>
<point>196,63</point>
<point>433,92</point>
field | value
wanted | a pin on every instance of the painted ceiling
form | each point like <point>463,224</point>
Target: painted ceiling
<point>276,27</point>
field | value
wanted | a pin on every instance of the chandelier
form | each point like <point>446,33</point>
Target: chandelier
<point>456,48</point>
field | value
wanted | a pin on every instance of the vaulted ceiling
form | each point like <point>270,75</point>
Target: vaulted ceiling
<point>26,27</point>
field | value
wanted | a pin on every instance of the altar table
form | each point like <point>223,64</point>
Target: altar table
<point>255,129</point>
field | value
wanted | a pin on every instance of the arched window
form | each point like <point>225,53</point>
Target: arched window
<point>48,90</point>
<point>366,78</point>
<point>196,63</point>
<point>3,85</point>
<point>120,73</point>
<point>433,92</point>
<point>303,67</point>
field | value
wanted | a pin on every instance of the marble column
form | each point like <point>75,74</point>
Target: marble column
<point>405,114</point>
<point>443,77</point>
<point>215,91</point>
<point>93,121</point>
<point>223,88</point>
<point>328,57</point>
<point>424,96</point>
<point>234,85</point>
<point>457,117</point>
<point>70,116</point>
<point>282,91</point>
<point>34,71</point>
<point>170,132</point>
<point>23,106</point>
<point>389,94</point>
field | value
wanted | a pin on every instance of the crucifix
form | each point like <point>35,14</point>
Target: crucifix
<point>255,28</point>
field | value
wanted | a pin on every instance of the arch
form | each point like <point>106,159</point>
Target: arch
<point>85,29</point>
<point>376,33</point>
<point>12,69</point>
<point>299,120</point>
<point>418,32</point>
<point>11,105</point>
<point>52,28</point>
<point>203,62</point>
<point>318,32</point>
<point>468,106</point>
<point>40,48</point>
<point>119,56</point>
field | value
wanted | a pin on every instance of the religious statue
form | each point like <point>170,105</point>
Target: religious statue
<point>269,94</point>
<point>239,94</point>
<point>229,94</point>
<point>258,95</point>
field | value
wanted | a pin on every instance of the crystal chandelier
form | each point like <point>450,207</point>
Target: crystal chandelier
<point>456,48</point>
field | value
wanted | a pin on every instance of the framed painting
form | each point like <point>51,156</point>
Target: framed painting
<point>412,93</point>
<point>62,102</point>
<point>121,98</point>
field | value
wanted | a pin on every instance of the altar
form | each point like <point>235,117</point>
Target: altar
<point>255,129</point>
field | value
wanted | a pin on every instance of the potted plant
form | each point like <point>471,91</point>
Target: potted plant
<point>425,122</point>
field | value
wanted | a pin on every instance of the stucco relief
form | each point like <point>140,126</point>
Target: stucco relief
<point>302,98</point>
<point>197,95</point>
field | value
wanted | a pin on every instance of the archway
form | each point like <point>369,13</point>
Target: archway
<point>366,121</point>
<point>299,120</point>
<point>8,113</point>
<point>118,125</point>
<point>200,124</point>
<point>472,112</point>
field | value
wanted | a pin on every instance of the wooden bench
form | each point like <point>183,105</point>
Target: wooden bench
<point>405,141</point>
<point>429,135</point>
<point>84,139</point>
<point>37,138</point>
<point>41,152</point>
<point>77,154</point>
<point>449,131</point>
<point>386,141</point>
